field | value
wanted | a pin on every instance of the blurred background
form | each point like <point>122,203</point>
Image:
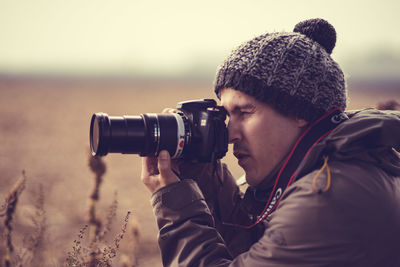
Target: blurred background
<point>61,61</point>
<point>183,39</point>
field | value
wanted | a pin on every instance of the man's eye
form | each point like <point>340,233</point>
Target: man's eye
<point>245,113</point>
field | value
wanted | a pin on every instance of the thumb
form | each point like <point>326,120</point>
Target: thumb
<point>164,166</point>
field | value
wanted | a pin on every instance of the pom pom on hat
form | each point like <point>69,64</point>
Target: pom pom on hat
<point>291,72</point>
<point>318,30</point>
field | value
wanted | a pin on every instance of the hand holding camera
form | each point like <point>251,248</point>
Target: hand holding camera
<point>194,132</point>
<point>157,171</point>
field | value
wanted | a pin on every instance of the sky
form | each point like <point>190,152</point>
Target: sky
<point>177,36</point>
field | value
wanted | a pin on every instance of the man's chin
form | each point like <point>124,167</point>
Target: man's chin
<point>252,179</point>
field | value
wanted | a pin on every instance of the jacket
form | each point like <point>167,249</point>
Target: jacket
<point>342,210</point>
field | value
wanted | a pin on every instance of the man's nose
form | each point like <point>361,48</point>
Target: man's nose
<point>233,132</point>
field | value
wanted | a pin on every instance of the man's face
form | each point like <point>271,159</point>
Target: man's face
<point>261,137</point>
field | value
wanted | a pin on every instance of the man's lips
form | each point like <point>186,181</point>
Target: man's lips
<point>241,155</point>
<point>243,161</point>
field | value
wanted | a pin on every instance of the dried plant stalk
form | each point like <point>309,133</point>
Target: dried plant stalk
<point>98,230</point>
<point>110,252</point>
<point>33,252</point>
<point>98,167</point>
<point>75,257</point>
<point>10,206</point>
<point>111,214</point>
<point>130,245</point>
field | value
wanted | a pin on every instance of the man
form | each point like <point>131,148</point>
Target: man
<point>324,185</point>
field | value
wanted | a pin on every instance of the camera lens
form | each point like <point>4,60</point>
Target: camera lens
<point>95,135</point>
<point>99,133</point>
<point>146,134</point>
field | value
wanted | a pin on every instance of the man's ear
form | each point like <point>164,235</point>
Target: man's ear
<point>301,123</point>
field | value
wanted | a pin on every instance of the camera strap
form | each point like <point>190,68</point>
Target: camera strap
<point>317,131</point>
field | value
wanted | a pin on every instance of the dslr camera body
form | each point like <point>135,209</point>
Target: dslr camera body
<point>197,132</point>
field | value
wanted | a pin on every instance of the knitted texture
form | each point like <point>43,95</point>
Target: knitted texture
<point>292,72</point>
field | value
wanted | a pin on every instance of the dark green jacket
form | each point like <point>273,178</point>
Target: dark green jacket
<point>355,222</point>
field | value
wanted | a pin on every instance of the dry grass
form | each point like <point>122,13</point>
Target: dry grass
<point>130,248</point>
<point>11,200</point>
<point>98,167</point>
<point>98,253</point>
<point>34,241</point>
<point>93,255</point>
<point>44,129</point>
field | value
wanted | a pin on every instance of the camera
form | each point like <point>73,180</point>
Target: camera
<point>196,132</point>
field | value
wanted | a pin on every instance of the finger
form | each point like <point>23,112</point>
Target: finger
<point>149,175</point>
<point>164,166</point>
<point>149,166</point>
<point>164,163</point>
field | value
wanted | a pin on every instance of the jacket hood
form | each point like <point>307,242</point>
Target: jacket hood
<point>369,135</point>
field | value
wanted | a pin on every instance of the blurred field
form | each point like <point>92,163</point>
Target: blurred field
<point>44,128</point>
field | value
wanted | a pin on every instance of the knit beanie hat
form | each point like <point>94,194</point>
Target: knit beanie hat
<point>291,72</point>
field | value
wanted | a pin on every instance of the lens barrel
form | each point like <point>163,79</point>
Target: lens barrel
<point>146,134</point>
